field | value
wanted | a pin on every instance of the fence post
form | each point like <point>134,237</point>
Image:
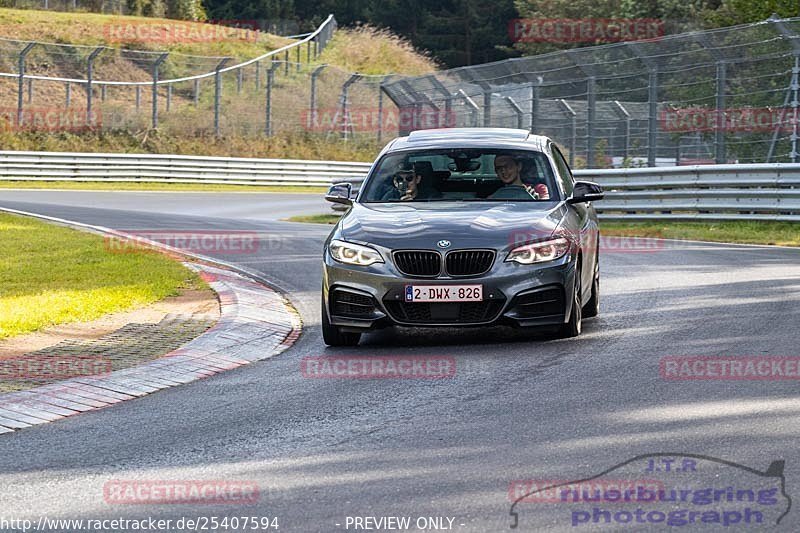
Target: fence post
<point>652,117</point>
<point>286,63</point>
<point>795,104</point>
<point>344,104</point>
<point>157,64</point>
<point>138,96</point>
<point>68,89</point>
<point>30,90</point>
<point>89,89</point>
<point>312,107</point>
<point>268,112</point>
<point>535,87</point>
<point>448,100</point>
<point>591,103</point>
<point>21,82</point>
<point>169,96</point>
<point>472,105</point>
<point>381,89</point>
<point>570,114</point>
<point>623,113</point>
<point>258,75</point>
<point>196,96</point>
<point>308,52</point>
<point>719,136</point>
<point>238,81</point>
<point>516,109</point>
<point>487,105</point>
<point>102,93</point>
<point>298,57</point>
<point>218,93</point>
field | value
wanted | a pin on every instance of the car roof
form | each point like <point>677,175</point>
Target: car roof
<point>469,138</point>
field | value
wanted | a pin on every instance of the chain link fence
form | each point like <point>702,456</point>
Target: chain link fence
<point>724,95</point>
<point>56,87</point>
<point>719,96</point>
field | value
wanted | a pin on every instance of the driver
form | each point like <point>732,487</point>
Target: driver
<point>509,170</point>
<point>413,184</point>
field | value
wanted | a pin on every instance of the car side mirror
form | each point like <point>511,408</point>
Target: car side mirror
<point>340,194</point>
<point>585,191</point>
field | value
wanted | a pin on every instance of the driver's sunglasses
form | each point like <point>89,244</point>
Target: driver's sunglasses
<point>409,177</point>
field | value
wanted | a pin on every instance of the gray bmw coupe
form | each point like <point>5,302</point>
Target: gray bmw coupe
<point>463,227</point>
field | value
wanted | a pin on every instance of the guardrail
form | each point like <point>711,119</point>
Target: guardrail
<point>149,168</point>
<point>717,192</point>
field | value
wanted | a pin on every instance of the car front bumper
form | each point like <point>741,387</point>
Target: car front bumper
<point>365,298</point>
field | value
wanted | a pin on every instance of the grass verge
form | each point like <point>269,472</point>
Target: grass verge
<point>284,146</point>
<point>315,219</point>
<point>54,275</point>
<point>129,186</point>
<point>746,232</point>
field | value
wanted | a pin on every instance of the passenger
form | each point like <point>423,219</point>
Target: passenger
<point>509,170</point>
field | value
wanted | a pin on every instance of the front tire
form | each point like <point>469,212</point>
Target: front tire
<point>592,307</point>
<point>573,326</point>
<point>332,335</point>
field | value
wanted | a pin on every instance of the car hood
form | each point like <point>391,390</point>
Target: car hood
<point>465,224</point>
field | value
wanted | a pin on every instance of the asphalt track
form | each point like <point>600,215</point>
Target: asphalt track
<point>520,406</point>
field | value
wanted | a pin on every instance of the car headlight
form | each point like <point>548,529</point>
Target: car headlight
<point>354,254</point>
<point>539,252</point>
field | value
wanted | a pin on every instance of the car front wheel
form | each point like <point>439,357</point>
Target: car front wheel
<point>573,326</point>
<point>592,307</point>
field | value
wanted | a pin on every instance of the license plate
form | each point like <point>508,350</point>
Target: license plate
<point>444,293</point>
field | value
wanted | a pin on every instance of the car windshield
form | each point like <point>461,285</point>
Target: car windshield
<point>462,175</point>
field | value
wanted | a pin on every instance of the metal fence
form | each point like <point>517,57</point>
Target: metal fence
<point>724,95</point>
<point>719,192</point>
<point>729,95</point>
<point>46,86</point>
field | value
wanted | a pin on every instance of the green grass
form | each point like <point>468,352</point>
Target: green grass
<point>315,219</point>
<point>54,275</point>
<point>284,146</point>
<point>373,51</point>
<point>96,29</point>
<point>745,232</point>
<point>128,186</point>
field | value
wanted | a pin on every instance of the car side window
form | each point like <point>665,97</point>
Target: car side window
<point>564,174</point>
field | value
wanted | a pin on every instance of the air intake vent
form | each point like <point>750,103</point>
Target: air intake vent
<point>469,262</point>
<point>418,263</point>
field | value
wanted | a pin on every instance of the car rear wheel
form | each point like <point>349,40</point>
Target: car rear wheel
<point>573,326</point>
<point>332,335</point>
<point>592,307</point>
